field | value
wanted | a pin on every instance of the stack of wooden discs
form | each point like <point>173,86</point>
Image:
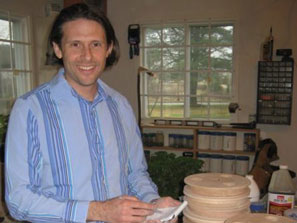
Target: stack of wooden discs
<point>257,217</point>
<point>215,197</point>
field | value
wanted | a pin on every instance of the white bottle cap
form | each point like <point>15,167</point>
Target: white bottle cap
<point>283,167</point>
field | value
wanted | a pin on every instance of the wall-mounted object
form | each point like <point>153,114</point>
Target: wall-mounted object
<point>267,47</point>
<point>285,53</point>
<point>53,7</point>
<point>233,107</point>
<point>275,92</point>
<point>134,39</point>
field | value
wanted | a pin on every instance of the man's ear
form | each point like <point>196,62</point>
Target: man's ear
<point>109,50</point>
<point>57,50</point>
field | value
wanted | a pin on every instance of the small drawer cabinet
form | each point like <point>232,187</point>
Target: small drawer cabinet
<point>275,91</point>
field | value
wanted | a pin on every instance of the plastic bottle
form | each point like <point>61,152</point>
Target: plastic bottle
<point>254,189</point>
<point>281,192</point>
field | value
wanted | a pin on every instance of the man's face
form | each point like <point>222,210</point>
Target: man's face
<point>84,51</point>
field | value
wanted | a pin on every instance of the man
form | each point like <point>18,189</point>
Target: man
<point>73,148</point>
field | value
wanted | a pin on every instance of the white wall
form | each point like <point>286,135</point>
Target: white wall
<point>253,17</point>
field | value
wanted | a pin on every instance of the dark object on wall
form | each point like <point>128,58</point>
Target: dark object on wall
<point>285,53</point>
<point>134,39</point>
<point>267,53</point>
<point>248,125</point>
<point>233,107</point>
<point>275,92</point>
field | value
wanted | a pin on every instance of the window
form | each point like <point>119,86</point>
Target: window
<point>15,62</point>
<point>193,67</point>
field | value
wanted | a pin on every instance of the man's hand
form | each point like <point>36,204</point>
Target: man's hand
<point>165,202</point>
<point>121,209</point>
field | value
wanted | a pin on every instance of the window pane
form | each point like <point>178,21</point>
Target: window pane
<point>154,107</point>
<point>5,58</point>
<point>20,56</point>
<point>174,35</point>
<point>6,84</point>
<point>196,70</point>
<point>174,59</point>
<point>221,58</point>
<point>199,84</point>
<point>199,58</point>
<point>4,26</point>
<point>22,83</point>
<point>154,85</point>
<point>198,107</point>
<point>153,58</point>
<point>173,84</point>
<point>220,84</point>
<point>173,107</point>
<point>222,34</point>
<point>199,34</point>
<point>152,36</point>
<point>219,108</point>
<point>19,30</point>
<point>15,57</point>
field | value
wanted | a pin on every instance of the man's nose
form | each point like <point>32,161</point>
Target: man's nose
<point>87,53</point>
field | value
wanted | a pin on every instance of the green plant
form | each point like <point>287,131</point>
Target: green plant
<point>168,172</point>
<point>3,125</point>
<point>3,129</point>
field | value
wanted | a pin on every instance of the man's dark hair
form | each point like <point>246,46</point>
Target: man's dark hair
<point>82,11</point>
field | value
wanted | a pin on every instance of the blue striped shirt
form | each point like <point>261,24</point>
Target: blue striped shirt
<point>63,151</point>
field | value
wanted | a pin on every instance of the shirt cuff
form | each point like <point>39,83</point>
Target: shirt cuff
<point>150,197</point>
<point>77,211</point>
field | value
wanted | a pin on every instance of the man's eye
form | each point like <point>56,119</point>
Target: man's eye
<point>96,44</point>
<point>75,44</point>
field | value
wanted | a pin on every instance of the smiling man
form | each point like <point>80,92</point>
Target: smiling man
<point>73,148</point>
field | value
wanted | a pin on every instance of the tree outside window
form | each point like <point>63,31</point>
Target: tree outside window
<point>193,64</point>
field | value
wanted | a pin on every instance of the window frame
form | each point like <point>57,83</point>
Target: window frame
<point>21,74</point>
<point>187,46</point>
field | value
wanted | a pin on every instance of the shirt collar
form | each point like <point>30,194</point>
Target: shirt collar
<point>62,87</point>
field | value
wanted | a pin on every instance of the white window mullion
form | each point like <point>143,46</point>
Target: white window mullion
<point>187,72</point>
<point>161,74</point>
<point>209,70</point>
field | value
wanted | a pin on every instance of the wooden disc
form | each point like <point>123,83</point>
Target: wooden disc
<point>258,217</point>
<point>217,184</point>
<point>191,217</point>
<point>215,202</point>
<point>217,213</point>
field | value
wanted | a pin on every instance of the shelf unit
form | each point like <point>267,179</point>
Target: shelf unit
<point>275,88</point>
<point>166,130</point>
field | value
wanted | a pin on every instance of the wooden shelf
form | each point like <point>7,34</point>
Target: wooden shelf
<point>167,148</point>
<point>220,140</point>
<point>194,130</point>
<point>236,152</point>
<point>223,128</point>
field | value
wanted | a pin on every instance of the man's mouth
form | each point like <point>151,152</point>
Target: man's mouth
<point>86,68</point>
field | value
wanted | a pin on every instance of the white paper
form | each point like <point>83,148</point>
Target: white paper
<point>167,214</point>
